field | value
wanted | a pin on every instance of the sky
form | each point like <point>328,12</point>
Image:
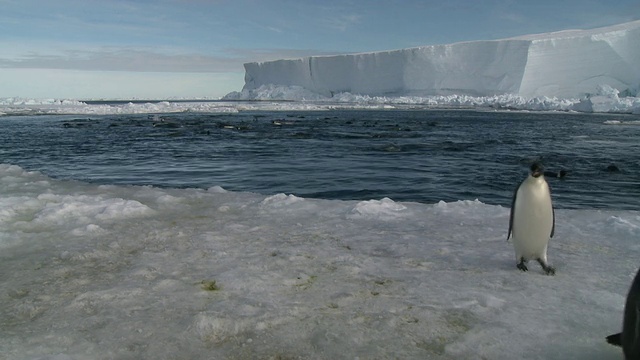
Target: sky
<point>168,49</point>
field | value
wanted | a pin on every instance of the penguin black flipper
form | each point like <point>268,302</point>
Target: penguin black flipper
<point>615,339</point>
<point>553,213</point>
<point>553,226</point>
<point>513,206</point>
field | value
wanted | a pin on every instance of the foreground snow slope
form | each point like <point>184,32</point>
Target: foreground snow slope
<point>113,272</point>
<point>564,64</point>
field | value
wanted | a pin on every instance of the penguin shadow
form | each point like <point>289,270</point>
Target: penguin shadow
<point>503,259</point>
<point>533,267</point>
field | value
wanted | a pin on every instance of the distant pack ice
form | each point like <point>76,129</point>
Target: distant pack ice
<point>566,64</point>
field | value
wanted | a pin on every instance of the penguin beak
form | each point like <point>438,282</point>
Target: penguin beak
<point>536,173</point>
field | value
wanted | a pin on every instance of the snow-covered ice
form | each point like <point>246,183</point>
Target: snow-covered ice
<point>282,98</point>
<point>605,100</point>
<point>564,64</point>
<point>126,272</point>
<point>26,106</point>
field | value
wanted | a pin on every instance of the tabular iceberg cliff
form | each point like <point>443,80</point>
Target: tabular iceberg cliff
<point>564,64</point>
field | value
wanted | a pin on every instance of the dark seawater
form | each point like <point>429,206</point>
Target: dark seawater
<point>407,155</point>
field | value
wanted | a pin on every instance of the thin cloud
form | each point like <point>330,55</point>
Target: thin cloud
<point>512,17</point>
<point>255,55</point>
<point>274,29</point>
<point>123,60</point>
<point>342,22</point>
<point>146,60</point>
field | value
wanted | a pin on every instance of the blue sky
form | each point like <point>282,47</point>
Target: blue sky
<point>84,49</point>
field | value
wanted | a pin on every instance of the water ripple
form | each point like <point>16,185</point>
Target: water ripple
<point>424,156</point>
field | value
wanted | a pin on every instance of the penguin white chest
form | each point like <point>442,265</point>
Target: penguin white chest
<point>532,219</point>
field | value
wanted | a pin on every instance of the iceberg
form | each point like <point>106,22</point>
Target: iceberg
<point>566,64</point>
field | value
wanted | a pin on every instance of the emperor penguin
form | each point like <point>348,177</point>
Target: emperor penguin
<point>629,338</point>
<point>532,220</point>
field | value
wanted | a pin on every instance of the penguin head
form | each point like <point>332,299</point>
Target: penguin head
<point>537,169</point>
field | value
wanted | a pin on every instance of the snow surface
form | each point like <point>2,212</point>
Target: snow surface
<point>126,272</point>
<point>283,98</point>
<point>561,64</point>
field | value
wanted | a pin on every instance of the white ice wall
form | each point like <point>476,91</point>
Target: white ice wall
<point>577,64</point>
<point>475,68</point>
<point>564,64</point>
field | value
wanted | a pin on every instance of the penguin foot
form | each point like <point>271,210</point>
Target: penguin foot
<point>521,265</point>
<point>548,269</point>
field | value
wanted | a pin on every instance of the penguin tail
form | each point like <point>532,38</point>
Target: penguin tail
<point>615,339</point>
